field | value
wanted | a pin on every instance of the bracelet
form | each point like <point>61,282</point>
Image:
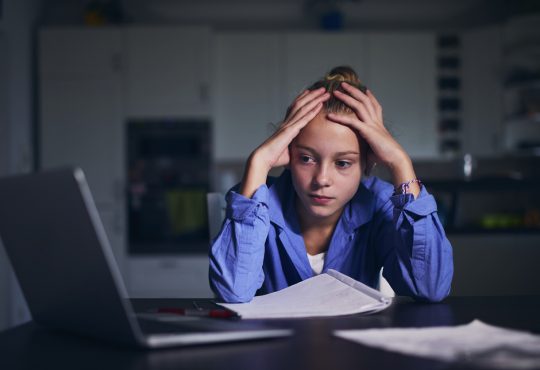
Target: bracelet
<point>404,187</point>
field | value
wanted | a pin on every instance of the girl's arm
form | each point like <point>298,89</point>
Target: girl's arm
<point>274,152</point>
<point>411,245</point>
<point>410,241</point>
<point>237,254</point>
<point>367,120</point>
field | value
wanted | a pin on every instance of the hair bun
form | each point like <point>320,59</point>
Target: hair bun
<point>343,74</point>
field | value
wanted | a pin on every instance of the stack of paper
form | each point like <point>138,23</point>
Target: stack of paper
<point>476,343</point>
<point>329,294</point>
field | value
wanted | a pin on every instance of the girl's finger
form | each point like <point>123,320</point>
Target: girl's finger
<point>347,120</point>
<point>357,106</point>
<point>360,96</point>
<point>286,134</point>
<point>304,119</point>
<point>307,108</point>
<point>303,100</point>
<point>376,104</point>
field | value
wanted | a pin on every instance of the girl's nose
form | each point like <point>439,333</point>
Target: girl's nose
<point>322,177</point>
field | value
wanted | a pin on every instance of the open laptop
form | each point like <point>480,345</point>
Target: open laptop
<point>51,230</point>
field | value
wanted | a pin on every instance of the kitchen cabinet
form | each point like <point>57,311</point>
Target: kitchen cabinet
<point>74,53</point>
<point>167,71</point>
<point>247,90</point>
<point>169,277</point>
<point>275,68</point>
<point>91,81</point>
<point>482,123</point>
<point>401,74</point>
<point>488,205</point>
<point>309,56</point>
<point>521,85</point>
<point>81,116</point>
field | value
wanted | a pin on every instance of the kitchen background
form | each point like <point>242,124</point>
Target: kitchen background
<point>161,101</point>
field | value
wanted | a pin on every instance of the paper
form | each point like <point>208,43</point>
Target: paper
<point>476,343</point>
<point>329,294</point>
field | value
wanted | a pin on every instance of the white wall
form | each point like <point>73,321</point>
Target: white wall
<point>16,119</point>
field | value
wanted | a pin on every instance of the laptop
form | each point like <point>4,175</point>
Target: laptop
<point>54,238</point>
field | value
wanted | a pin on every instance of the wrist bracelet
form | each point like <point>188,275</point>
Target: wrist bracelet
<point>404,187</point>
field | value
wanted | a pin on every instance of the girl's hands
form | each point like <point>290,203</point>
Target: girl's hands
<point>274,151</point>
<point>368,122</point>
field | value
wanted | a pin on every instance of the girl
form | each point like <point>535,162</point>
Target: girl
<point>321,213</point>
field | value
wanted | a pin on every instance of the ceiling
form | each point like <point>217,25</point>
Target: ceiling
<point>304,14</point>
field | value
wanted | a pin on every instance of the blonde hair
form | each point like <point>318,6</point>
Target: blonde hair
<point>332,82</point>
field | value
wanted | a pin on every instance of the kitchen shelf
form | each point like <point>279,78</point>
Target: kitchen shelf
<point>507,205</point>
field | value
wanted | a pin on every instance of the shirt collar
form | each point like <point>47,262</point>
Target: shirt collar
<point>282,211</point>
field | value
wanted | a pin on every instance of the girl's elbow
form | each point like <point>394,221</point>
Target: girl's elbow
<point>225,294</point>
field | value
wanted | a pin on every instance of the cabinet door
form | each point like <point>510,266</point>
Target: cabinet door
<point>482,91</point>
<point>81,116</point>
<point>81,125</point>
<point>309,56</point>
<point>167,71</point>
<point>79,53</point>
<point>247,92</point>
<point>401,74</point>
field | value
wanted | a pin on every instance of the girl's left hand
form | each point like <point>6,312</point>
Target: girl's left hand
<point>367,120</point>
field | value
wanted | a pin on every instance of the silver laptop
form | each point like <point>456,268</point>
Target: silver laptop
<point>51,230</point>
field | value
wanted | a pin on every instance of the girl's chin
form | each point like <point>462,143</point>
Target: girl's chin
<point>321,212</point>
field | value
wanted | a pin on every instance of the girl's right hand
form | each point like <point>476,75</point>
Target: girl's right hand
<point>274,151</point>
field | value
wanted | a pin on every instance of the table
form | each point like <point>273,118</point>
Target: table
<point>30,346</point>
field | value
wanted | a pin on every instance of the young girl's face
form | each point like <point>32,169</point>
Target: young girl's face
<point>326,168</point>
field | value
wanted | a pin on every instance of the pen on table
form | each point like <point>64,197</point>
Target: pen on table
<point>215,312</point>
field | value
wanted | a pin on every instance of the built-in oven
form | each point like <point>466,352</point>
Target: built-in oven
<point>168,178</point>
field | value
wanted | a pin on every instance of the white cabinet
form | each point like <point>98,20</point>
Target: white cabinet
<point>92,80</point>
<point>401,75</point>
<point>247,90</point>
<point>482,91</point>
<point>309,56</point>
<point>67,54</point>
<point>167,72</point>
<point>81,115</point>
<point>169,277</point>
<point>258,75</point>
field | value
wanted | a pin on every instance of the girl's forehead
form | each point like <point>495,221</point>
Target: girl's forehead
<point>328,136</point>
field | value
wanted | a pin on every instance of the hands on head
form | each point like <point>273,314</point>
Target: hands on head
<point>366,119</point>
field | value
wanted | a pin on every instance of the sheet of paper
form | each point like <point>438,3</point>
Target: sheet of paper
<point>328,294</point>
<point>476,343</point>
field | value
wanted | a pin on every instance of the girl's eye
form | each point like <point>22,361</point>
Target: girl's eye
<point>306,159</point>
<point>343,164</point>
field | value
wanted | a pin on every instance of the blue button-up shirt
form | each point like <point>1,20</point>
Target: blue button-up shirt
<point>260,248</point>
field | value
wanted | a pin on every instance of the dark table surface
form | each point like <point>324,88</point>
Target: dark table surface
<point>30,346</point>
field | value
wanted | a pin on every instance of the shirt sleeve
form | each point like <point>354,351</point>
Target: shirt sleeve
<point>413,247</point>
<point>237,253</point>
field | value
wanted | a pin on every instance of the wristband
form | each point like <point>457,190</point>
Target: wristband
<point>404,187</point>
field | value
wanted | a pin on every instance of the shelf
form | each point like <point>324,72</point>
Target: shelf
<point>484,231</point>
<point>483,184</point>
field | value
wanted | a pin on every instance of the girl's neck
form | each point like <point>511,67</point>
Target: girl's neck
<point>317,232</point>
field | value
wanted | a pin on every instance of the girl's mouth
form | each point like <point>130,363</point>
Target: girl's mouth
<point>320,199</point>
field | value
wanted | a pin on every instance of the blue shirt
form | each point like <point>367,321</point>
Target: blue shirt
<point>260,248</point>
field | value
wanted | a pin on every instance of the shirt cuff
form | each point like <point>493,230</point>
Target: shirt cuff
<point>240,208</point>
<point>423,205</point>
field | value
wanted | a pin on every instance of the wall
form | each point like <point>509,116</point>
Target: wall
<point>16,122</point>
<point>4,142</point>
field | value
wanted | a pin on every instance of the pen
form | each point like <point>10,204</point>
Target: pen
<point>214,313</point>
